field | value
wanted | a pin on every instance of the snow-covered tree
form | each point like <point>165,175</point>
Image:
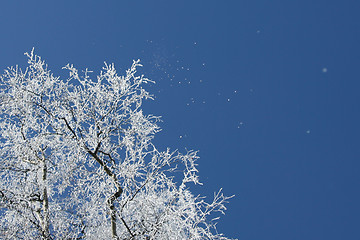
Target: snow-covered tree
<point>77,161</point>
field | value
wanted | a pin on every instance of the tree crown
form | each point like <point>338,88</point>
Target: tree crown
<point>77,161</point>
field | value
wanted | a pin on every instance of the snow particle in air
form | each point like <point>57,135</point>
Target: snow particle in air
<point>324,70</point>
<point>240,124</point>
<point>308,131</point>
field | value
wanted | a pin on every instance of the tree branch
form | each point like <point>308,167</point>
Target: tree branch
<point>114,196</point>
<point>127,227</point>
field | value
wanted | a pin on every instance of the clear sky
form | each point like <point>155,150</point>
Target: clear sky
<point>267,91</point>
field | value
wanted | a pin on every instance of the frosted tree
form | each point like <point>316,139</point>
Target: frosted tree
<point>77,161</point>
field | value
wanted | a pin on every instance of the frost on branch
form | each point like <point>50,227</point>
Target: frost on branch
<point>77,161</point>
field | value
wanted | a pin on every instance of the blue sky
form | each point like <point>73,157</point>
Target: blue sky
<point>267,91</point>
